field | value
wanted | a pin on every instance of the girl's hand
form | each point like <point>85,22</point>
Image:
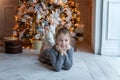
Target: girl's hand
<point>59,49</point>
<point>63,51</point>
<point>67,48</point>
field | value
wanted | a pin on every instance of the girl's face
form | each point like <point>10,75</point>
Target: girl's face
<point>63,40</point>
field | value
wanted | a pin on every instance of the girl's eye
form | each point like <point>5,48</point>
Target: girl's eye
<point>61,40</point>
<point>66,40</point>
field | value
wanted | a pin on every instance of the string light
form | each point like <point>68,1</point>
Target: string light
<point>31,18</point>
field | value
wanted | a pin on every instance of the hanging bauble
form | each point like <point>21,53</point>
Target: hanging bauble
<point>65,1</point>
<point>55,1</point>
<point>51,1</point>
<point>59,2</point>
<point>35,1</point>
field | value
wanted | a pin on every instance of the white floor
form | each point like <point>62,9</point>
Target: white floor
<point>25,66</point>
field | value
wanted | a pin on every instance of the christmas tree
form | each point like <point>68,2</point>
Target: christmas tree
<point>36,18</point>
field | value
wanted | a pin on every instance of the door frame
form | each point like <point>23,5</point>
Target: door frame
<point>96,25</point>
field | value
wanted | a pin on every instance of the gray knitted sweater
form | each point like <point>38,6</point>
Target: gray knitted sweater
<point>58,61</point>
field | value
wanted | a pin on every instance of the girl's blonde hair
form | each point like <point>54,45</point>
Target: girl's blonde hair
<point>62,30</point>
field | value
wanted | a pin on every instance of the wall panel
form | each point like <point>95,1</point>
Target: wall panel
<point>7,13</point>
<point>111,28</point>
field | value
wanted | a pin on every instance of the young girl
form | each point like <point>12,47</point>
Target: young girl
<point>60,56</point>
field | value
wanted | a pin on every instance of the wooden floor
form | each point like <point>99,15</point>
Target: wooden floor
<point>25,66</point>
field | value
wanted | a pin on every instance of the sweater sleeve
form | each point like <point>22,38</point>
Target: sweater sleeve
<point>56,60</point>
<point>69,59</point>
